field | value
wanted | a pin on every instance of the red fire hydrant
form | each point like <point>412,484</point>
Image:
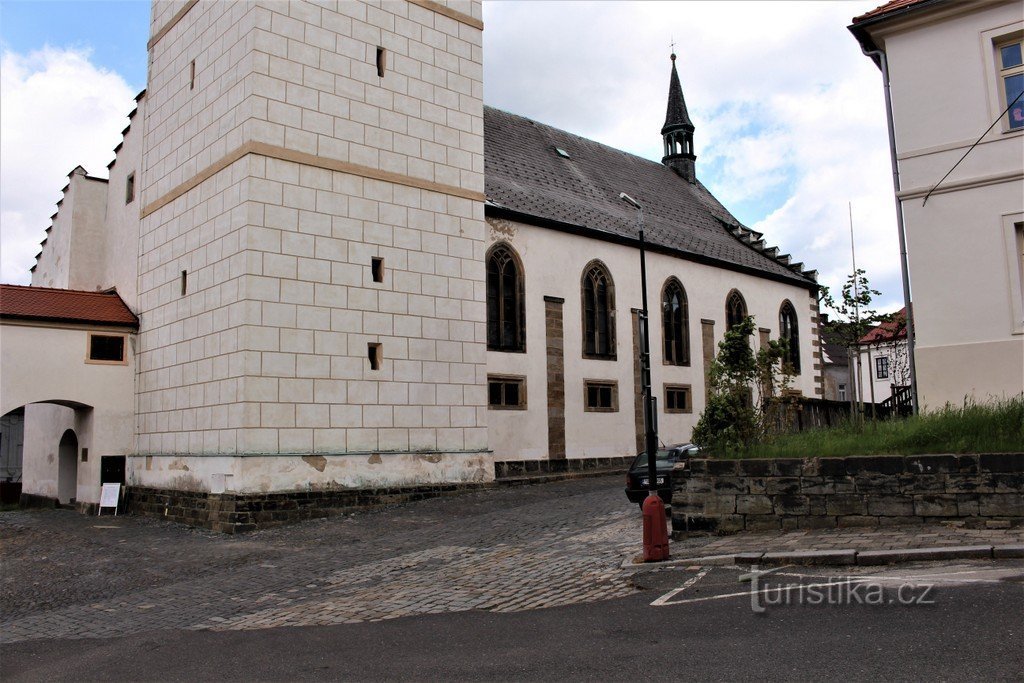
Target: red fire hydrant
<point>655,529</point>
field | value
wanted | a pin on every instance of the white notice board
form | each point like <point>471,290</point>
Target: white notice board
<point>109,496</point>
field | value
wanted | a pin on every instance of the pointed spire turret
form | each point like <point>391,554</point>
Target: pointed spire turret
<point>678,131</point>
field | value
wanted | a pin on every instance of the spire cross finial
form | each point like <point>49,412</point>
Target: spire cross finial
<point>672,45</point>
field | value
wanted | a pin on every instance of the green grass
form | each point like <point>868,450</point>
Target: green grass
<point>990,428</point>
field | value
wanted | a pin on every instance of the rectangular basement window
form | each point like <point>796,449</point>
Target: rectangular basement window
<point>505,392</point>
<point>375,352</point>
<point>377,268</point>
<point>677,398</point>
<point>106,348</point>
<point>600,396</point>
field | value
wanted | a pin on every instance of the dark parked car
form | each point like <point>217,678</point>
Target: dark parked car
<point>665,459</point>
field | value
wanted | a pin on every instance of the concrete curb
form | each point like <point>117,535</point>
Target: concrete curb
<point>846,558</point>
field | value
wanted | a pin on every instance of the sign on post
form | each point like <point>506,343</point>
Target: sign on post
<point>110,494</point>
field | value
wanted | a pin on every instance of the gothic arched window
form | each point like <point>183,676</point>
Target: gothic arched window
<point>675,324</point>
<point>789,331</point>
<point>505,316</point>
<point>598,311</point>
<point>735,309</point>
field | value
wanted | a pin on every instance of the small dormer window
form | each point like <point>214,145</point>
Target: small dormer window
<point>562,153</point>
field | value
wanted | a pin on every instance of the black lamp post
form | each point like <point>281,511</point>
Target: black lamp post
<point>655,528</point>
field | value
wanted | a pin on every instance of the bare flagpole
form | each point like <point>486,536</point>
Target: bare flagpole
<point>856,317</point>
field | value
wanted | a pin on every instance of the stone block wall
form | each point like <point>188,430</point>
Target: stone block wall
<point>793,493</point>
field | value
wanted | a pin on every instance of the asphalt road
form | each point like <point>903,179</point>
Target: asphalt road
<point>515,584</point>
<point>972,630</point>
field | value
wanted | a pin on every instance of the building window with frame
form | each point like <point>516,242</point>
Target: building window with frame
<point>790,333</point>
<point>882,367</point>
<point>600,396</point>
<point>842,392</point>
<point>506,329</point>
<point>129,188</point>
<point>506,392</point>
<point>598,312</point>
<point>735,309</point>
<point>675,324</point>
<point>1011,76</point>
<point>106,348</point>
<point>677,398</point>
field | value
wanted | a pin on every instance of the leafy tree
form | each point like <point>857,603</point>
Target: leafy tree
<point>745,392</point>
<point>853,317</point>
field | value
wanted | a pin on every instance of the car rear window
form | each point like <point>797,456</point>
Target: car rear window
<point>663,455</point>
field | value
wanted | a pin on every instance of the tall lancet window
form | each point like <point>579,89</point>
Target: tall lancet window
<point>675,324</point>
<point>598,312</point>
<point>735,309</point>
<point>789,331</point>
<point>505,316</point>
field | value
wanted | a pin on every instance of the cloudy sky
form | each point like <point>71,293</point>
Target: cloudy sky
<point>789,114</point>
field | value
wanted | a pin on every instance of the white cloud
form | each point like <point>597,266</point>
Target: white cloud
<point>789,114</point>
<point>57,111</point>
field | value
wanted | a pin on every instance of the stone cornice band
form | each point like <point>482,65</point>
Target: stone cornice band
<point>284,154</point>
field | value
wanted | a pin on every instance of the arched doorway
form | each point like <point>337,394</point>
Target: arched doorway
<point>67,468</point>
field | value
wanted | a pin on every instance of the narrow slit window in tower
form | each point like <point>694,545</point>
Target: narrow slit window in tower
<point>375,352</point>
<point>382,61</point>
<point>377,268</point>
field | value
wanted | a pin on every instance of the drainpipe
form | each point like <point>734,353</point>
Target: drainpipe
<point>904,265</point>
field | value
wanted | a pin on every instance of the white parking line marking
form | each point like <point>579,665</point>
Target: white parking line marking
<point>747,593</point>
<point>664,599</point>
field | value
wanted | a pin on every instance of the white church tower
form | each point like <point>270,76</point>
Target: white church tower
<point>311,265</point>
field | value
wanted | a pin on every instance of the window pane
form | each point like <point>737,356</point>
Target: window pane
<point>1011,55</point>
<point>1014,86</point>
<point>494,393</point>
<point>592,400</point>
<point>106,348</point>
<point>512,393</point>
<point>606,397</point>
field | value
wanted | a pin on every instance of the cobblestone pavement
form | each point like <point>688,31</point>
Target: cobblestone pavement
<point>506,550</point>
<point>885,538</point>
<point>67,576</point>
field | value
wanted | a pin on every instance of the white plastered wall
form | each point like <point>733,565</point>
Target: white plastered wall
<point>964,269</point>
<point>553,263</point>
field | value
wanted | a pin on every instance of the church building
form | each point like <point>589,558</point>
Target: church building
<point>321,270</point>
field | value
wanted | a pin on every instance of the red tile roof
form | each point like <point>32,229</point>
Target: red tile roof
<point>887,8</point>
<point>888,331</point>
<point>65,305</point>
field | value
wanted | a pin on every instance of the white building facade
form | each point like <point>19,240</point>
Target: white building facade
<point>350,275</point>
<point>955,70</point>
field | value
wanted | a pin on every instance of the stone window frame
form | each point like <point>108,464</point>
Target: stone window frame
<point>612,384</point>
<point>997,40</point>
<point>505,250</point>
<point>507,379</point>
<point>789,330</point>
<point>688,389</point>
<point>98,361</point>
<point>684,324</point>
<point>596,266</point>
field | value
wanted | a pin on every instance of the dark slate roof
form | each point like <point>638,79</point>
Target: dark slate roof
<point>65,305</point>
<point>676,116</point>
<point>526,179</point>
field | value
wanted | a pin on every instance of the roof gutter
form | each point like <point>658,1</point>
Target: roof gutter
<point>882,61</point>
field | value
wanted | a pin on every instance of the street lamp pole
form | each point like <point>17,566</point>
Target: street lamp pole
<point>655,527</point>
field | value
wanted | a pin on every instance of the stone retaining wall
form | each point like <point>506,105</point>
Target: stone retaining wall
<point>239,512</point>
<point>505,469</point>
<point>792,493</point>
